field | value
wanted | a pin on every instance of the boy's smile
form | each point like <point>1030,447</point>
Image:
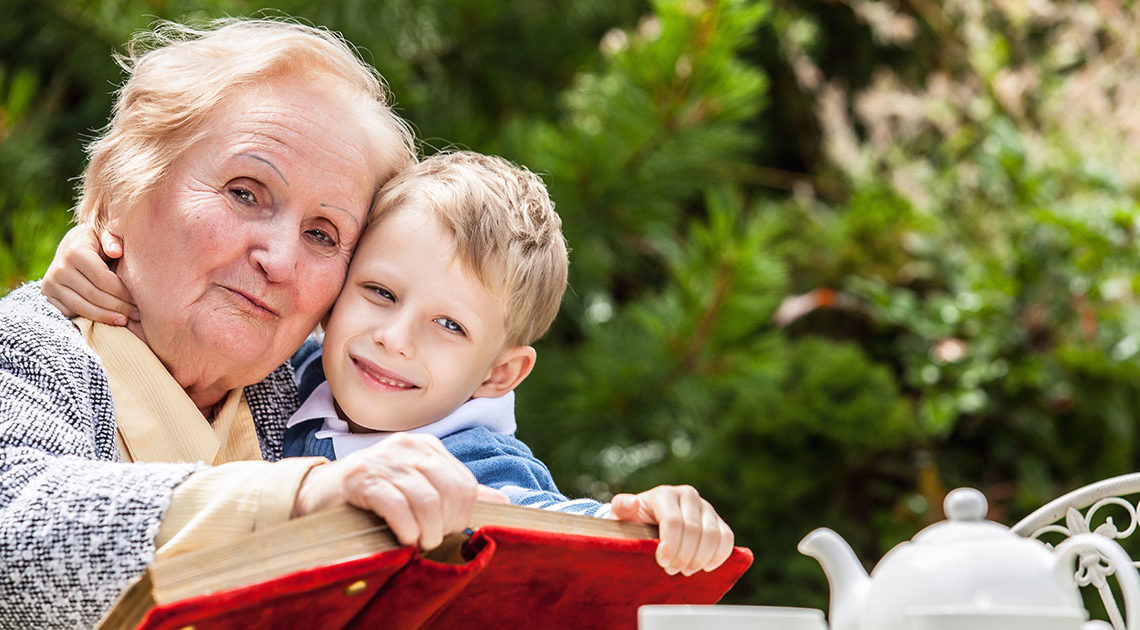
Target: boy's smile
<point>414,334</point>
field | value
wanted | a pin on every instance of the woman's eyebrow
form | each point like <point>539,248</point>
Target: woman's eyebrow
<point>351,216</point>
<point>267,163</point>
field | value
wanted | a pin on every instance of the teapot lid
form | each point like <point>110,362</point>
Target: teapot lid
<point>965,510</point>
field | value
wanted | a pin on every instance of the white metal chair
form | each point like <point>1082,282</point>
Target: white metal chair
<point>1067,516</point>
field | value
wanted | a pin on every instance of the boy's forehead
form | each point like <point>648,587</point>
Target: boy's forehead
<point>409,211</point>
<point>391,229</point>
<point>389,226</point>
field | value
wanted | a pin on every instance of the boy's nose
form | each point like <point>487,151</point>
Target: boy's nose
<point>395,336</point>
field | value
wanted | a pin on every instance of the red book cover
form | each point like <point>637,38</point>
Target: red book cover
<point>542,580</point>
<point>510,578</point>
<point>323,597</point>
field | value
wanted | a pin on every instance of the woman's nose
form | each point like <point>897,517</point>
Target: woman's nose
<point>276,255</point>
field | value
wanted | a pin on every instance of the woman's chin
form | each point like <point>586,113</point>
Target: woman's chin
<point>249,345</point>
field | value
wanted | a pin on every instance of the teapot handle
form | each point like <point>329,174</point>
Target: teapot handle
<point>1126,575</point>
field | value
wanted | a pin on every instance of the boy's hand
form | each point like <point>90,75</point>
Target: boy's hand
<point>693,536</point>
<point>79,282</point>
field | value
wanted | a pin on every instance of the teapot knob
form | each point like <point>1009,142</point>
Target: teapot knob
<point>965,504</point>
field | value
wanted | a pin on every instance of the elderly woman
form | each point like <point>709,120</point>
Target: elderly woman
<point>237,172</point>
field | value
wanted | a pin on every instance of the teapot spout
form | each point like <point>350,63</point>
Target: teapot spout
<point>848,580</point>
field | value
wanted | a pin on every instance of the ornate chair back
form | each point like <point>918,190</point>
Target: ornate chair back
<point>1083,511</point>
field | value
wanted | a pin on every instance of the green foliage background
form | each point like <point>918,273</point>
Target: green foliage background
<point>829,258</point>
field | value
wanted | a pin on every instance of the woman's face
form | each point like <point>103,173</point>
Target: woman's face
<point>243,246</point>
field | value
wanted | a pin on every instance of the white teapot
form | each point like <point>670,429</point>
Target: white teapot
<point>965,561</point>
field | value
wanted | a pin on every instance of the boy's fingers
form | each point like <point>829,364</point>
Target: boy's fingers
<point>95,270</point>
<point>71,304</point>
<point>693,536</point>
<point>111,244</point>
<point>57,304</point>
<point>690,504</point>
<point>724,548</point>
<point>666,509</point>
<point>95,295</point>
<point>709,542</point>
<point>112,285</point>
<point>627,507</point>
<point>102,315</point>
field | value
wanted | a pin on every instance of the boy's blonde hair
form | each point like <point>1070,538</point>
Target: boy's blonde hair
<point>179,75</point>
<point>505,228</point>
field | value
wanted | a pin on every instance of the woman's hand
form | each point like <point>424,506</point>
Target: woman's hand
<point>79,282</point>
<point>410,480</point>
<point>693,537</point>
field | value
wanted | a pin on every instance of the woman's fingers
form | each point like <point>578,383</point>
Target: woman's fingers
<point>411,481</point>
<point>440,491</point>
<point>399,511</point>
<point>491,495</point>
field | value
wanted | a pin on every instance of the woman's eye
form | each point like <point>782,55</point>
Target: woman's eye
<point>243,195</point>
<point>450,325</point>
<point>321,237</point>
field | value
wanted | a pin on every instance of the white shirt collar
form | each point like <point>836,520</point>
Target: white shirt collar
<point>495,414</point>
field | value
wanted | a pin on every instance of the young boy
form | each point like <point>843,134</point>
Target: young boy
<point>461,267</point>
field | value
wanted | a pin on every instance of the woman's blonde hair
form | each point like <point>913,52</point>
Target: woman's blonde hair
<point>178,75</point>
<point>505,229</point>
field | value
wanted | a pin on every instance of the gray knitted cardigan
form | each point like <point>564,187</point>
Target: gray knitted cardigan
<point>76,523</point>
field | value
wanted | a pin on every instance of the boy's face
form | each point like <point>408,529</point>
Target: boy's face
<point>413,333</point>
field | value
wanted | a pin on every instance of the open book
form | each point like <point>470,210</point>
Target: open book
<point>343,568</point>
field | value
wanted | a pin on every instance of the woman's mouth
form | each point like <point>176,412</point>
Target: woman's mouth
<point>252,304</point>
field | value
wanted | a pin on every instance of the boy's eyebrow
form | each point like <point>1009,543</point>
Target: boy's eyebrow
<point>369,268</point>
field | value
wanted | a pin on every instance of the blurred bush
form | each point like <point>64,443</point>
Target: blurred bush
<point>829,259</point>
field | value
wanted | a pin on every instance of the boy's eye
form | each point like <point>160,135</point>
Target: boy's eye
<point>381,291</point>
<point>450,325</point>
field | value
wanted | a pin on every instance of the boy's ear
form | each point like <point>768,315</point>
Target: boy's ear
<point>510,368</point>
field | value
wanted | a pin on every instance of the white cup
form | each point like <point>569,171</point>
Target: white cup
<point>686,617</point>
<point>973,618</point>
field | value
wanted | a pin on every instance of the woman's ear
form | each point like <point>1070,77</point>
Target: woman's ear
<point>510,368</point>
